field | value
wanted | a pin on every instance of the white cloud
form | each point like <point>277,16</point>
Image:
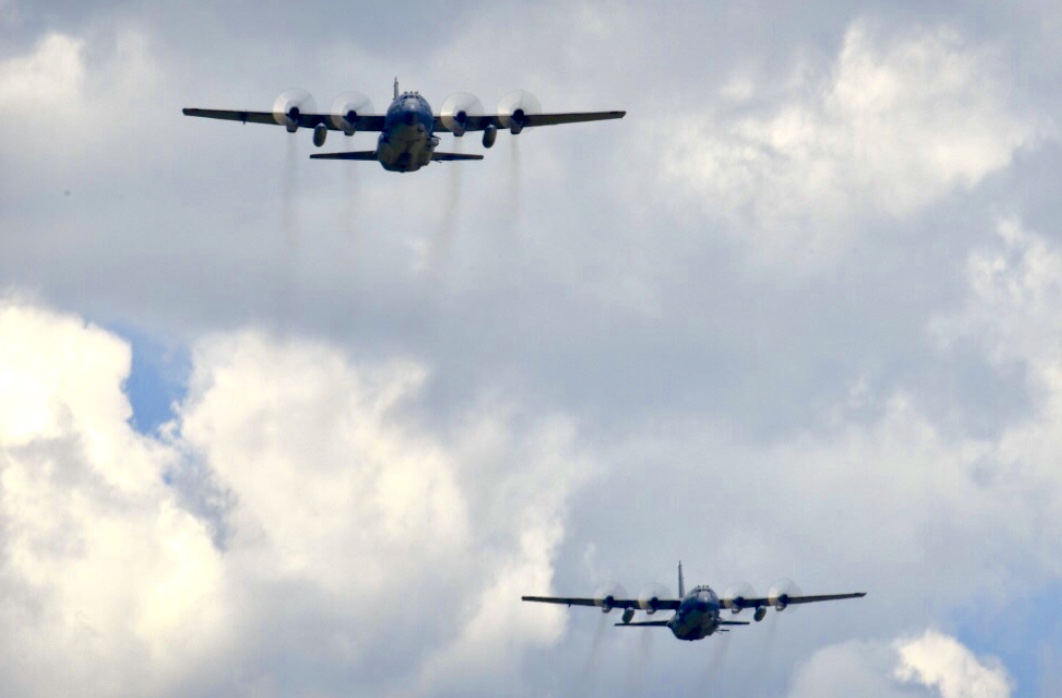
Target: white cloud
<point>51,76</point>
<point>348,521</point>
<point>943,663</point>
<point>106,582</point>
<point>83,97</point>
<point>893,127</point>
<point>932,664</point>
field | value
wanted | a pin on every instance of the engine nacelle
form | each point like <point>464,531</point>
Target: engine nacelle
<point>761,612</point>
<point>649,600</point>
<point>605,596</point>
<point>456,110</point>
<point>781,592</point>
<point>516,122</point>
<point>514,109</point>
<point>289,107</point>
<point>459,124</point>
<point>490,134</point>
<point>320,133</point>
<point>346,108</point>
<point>628,615</point>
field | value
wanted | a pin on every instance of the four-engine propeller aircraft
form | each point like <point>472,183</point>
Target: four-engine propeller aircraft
<point>407,141</point>
<point>697,614</point>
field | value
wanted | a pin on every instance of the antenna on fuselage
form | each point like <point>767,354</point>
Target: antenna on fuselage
<point>682,583</point>
<point>396,87</point>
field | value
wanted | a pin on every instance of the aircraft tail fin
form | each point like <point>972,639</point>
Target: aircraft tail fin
<point>396,87</point>
<point>347,155</point>
<point>682,583</point>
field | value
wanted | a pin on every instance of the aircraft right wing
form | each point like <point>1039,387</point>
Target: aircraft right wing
<point>661,604</point>
<point>370,122</point>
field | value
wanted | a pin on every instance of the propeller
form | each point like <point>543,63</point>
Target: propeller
<point>457,108</point>
<point>734,594</point>
<point>607,593</point>
<point>650,596</point>
<point>780,592</point>
<point>290,105</point>
<point>514,106</point>
<point>346,108</point>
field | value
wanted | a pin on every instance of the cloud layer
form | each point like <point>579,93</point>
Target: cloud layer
<point>796,315</point>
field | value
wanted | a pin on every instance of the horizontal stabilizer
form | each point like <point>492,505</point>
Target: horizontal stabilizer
<point>349,155</point>
<point>644,624</point>
<point>733,622</point>
<point>455,156</point>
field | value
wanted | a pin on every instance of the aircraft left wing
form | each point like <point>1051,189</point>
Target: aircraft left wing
<point>787,600</point>
<point>660,604</point>
<point>480,122</point>
<point>362,123</point>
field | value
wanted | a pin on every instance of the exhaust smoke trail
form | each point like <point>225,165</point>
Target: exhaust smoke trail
<point>712,670</point>
<point>289,199</point>
<point>516,190</point>
<point>350,223</point>
<point>639,668</point>
<point>591,669</point>
<point>439,249</point>
<point>759,679</point>
<point>290,195</point>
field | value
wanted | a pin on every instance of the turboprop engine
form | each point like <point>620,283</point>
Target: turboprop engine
<point>605,596</point>
<point>650,596</point>
<point>735,595</point>
<point>514,108</point>
<point>455,112</point>
<point>290,105</point>
<point>780,592</point>
<point>346,108</point>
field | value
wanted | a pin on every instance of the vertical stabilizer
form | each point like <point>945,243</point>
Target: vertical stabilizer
<point>682,583</point>
<point>396,87</point>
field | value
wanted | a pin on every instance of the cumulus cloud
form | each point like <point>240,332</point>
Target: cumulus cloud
<point>932,664</point>
<point>106,581</point>
<point>348,522</point>
<point>83,95</point>
<point>941,662</point>
<point>893,126</point>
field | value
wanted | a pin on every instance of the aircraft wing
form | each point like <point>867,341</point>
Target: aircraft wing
<point>480,122</point>
<point>793,600</point>
<point>661,604</point>
<point>363,123</point>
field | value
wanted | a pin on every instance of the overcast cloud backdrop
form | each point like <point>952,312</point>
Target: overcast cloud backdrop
<point>274,427</point>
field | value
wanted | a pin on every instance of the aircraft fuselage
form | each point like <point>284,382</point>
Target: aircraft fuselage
<point>406,142</point>
<point>697,616</point>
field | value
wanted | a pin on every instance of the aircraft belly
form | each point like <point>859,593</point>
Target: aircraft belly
<point>404,148</point>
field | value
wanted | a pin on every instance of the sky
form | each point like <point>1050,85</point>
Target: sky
<point>278,427</point>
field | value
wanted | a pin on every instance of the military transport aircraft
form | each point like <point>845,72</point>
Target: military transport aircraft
<point>697,614</point>
<point>406,140</point>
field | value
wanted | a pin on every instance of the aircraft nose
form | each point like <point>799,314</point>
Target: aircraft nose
<point>410,113</point>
